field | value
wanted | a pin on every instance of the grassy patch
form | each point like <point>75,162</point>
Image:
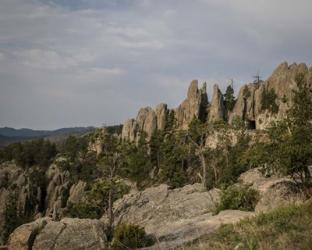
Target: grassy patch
<point>284,228</point>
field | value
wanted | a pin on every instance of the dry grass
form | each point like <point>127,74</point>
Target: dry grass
<point>287,228</point>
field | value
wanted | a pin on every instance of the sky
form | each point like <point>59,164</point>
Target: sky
<point>67,63</point>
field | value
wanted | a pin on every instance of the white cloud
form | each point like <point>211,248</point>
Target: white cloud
<point>2,57</point>
<point>45,59</point>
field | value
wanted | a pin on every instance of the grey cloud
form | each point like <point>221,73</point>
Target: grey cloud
<point>79,62</point>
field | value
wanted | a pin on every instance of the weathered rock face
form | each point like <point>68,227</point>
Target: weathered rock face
<point>76,193</point>
<point>216,108</point>
<point>68,234</point>
<point>34,199</point>
<point>162,116</point>
<point>157,208</point>
<point>129,130</point>
<point>147,121</point>
<point>17,184</point>
<point>194,106</point>
<point>248,106</point>
<point>245,105</point>
<point>57,190</point>
<point>274,191</point>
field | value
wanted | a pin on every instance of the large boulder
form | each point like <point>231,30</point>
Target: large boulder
<point>160,209</point>
<point>184,231</point>
<point>274,191</point>
<point>70,234</point>
<point>24,236</point>
<point>194,106</point>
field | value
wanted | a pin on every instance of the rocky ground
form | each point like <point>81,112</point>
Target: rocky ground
<point>174,217</point>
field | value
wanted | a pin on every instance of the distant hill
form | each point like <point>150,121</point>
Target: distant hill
<point>11,135</point>
<point>4,140</point>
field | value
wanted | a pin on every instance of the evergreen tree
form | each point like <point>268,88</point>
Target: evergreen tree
<point>291,147</point>
<point>229,99</point>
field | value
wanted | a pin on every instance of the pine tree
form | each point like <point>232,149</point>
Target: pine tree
<point>291,147</point>
<point>229,99</point>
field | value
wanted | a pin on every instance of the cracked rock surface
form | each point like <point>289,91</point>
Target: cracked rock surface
<point>66,234</point>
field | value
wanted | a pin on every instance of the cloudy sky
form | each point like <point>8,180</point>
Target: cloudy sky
<point>91,62</point>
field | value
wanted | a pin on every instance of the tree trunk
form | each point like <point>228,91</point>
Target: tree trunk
<point>204,168</point>
<point>110,208</point>
<point>307,175</point>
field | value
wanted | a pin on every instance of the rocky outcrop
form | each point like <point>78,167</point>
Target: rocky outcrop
<point>147,121</point>
<point>194,106</point>
<point>38,193</point>
<point>24,236</point>
<point>129,130</point>
<point>58,188</point>
<point>160,209</point>
<point>216,107</point>
<point>249,107</point>
<point>16,184</point>
<point>274,191</point>
<point>76,193</point>
<point>245,105</point>
<point>185,231</point>
<point>70,234</point>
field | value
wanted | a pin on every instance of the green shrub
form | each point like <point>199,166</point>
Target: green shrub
<point>36,152</point>
<point>246,92</point>
<point>130,237</point>
<point>12,217</point>
<point>238,197</point>
<point>268,101</point>
<point>84,210</point>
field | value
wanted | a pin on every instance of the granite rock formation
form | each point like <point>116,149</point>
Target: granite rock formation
<point>67,234</point>
<point>194,106</point>
<point>216,109</point>
<point>282,82</point>
<point>248,106</point>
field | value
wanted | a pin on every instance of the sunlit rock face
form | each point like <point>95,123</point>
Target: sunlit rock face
<point>248,106</point>
<point>194,106</point>
<point>216,108</point>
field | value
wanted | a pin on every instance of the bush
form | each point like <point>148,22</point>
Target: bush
<point>12,217</point>
<point>96,199</point>
<point>37,152</point>
<point>74,146</point>
<point>238,197</point>
<point>268,101</point>
<point>84,210</point>
<point>130,237</point>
